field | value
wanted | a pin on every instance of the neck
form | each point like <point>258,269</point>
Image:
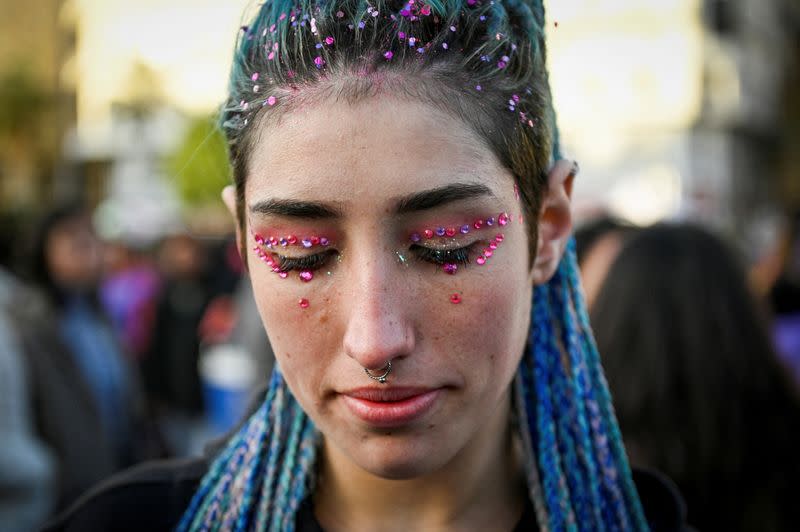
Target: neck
<point>481,488</point>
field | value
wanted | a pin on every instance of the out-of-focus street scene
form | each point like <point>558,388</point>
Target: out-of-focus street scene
<point>128,330</point>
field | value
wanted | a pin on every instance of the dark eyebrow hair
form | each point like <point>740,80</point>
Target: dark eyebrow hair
<point>419,201</point>
<point>295,209</point>
<point>436,197</point>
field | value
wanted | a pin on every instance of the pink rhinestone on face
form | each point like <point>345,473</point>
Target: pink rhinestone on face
<point>502,219</point>
<point>450,268</point>
<point>450,231</point>
<point>303,303</point>
<point>478,224</point>
<point>481,260</point>
<point>455,299</point>
<point>428,233</point>
<point>306,275</point>
<point>283,275</point>
<point>488,253</point>
<point>499,237</point>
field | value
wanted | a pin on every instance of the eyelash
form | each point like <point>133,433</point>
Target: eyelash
<point>426,254</point>
<point>443,256</point>
<point>309,262</point>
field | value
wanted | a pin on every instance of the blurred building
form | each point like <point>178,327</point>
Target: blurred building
<point>744,157</point>
<point>680,108</point>
<point>37,97</point>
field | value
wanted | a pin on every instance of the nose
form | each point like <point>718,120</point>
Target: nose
<point>378,326</point>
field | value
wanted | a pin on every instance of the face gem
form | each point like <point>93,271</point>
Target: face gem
<point>481,260</point>
<point>303,303</point>
<point>440,231</point>
<point>502,219</point>
<point>314,240</point>
<point>455,299</point>
<point>490,221</point>
<point>450,268</point>
<point>465,229</point>
<point>478,224</point>
<point>493,246</point>
<point>450,231</point>
<point>487,253</point>
<point>306,242</point>
<point>428,233</point>
<point>283,275</point>
<point>415,237</point>
<point>292,239</point>
<point>323,241</point>
<point>306,275</point>
<point>499,237</point>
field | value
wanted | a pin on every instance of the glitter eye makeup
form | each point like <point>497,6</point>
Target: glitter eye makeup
<point>267,248</point>
<point>450,259</point>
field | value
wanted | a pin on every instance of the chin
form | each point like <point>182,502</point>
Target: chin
<point>395,457</point>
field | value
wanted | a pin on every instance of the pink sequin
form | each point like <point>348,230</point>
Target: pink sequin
<point>329,40</point>
<point>254,77</point>
<point>388,55</point>
<point>271,100</point>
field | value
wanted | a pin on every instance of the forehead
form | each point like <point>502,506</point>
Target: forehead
<point>367,152</point>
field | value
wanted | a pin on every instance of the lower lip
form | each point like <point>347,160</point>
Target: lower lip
<point>392,414</point>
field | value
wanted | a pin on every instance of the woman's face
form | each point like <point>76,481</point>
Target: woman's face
<point>368,178</point>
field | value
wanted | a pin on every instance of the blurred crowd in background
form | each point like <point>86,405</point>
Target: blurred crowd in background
<point>127,326</point>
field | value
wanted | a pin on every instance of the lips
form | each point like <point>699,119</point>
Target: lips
<point>388,407</point>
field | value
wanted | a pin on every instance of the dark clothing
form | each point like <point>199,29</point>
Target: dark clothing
<point>154,496</point>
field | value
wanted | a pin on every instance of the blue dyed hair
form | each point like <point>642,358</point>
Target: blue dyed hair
<point>483,61</point>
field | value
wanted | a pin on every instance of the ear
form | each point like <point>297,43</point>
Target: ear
<point>229,199</point>
<point>555,220</point>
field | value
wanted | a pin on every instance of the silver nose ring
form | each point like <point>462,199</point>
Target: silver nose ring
<point>380,378</point>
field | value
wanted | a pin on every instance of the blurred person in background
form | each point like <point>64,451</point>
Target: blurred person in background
<point>171,366</point>
<point>698,390</point>
<point>597,243</point>
<point>27,468</point>
<point>784,298</point>
<point>84,394</point>
<point>129,293</point>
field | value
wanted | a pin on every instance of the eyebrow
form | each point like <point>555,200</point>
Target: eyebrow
<point>295,209</point>
<point>419,201</point>
<point>437,197</point>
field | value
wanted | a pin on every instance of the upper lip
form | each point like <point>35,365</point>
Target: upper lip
<point>386,394</point>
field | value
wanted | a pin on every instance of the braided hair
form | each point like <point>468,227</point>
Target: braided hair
<point>484,62</point>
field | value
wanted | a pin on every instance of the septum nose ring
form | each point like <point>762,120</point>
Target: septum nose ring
<point>380,378</point>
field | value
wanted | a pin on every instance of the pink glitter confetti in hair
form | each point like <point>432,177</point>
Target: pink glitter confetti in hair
<point>254,77</point>
<point>329,40</point>
<point>271,100</point>
<point>319,61</point>
<point>388,55</point>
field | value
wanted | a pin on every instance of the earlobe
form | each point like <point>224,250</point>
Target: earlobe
<point>555,220</point>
